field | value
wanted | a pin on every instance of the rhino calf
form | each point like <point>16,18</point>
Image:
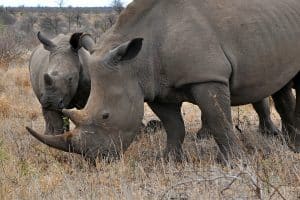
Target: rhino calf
<point>57,77</point>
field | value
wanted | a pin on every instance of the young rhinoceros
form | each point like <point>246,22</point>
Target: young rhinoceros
<point>57,77</point>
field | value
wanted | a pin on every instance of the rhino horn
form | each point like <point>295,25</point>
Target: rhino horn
<point>78,117</point>
<point>61,142</point>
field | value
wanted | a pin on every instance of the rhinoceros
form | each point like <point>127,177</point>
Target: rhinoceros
<point>57,77</point>
<point>58,94</point>
<point>214,54</point>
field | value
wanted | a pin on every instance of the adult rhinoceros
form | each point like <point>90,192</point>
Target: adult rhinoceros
<point>212,53</point>
<point>57,77</point>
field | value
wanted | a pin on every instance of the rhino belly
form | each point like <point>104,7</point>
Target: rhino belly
<point>250,87</point>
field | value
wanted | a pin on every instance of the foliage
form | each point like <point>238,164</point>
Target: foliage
<point>10,43</point>
<point>117,6</point>
<point>51,24</point>
<point>5,17</point>
<point>28,22</point>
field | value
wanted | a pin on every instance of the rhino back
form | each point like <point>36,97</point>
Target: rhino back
<point>260,38</point>
<point>248,43</point>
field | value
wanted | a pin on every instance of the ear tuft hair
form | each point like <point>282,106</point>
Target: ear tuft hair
<point>75,41</point>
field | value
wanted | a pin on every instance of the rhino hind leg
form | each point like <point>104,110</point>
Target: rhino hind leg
<point>214,101</point>
<point>204,132</point>
<point>297,113</point>
<point>266,125</point>
<point>285,104</point>
<point>54,122</point>
<point>170,116</point>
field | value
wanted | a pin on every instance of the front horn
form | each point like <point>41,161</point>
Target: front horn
<point>61,142</point>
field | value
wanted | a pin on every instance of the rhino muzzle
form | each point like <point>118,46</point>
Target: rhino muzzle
<point>85,139</point>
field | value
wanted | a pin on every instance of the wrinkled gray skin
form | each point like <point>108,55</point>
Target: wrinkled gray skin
<point>57,77</point>
<point>214,54</point>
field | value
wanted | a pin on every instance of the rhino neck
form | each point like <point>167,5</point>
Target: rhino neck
<point>136,21</point>
<point>133,13</point>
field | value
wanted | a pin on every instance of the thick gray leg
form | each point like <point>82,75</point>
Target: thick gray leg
<point>262,109</point>
<point>285,103</point>
<point>214,102</point>
<point>297,113</point>
<point>170,115</point>
<point>204,132</point>
<point>266,125</point>
<point>54,122</point>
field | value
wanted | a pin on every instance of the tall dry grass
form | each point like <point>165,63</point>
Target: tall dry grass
<point>31,170</point>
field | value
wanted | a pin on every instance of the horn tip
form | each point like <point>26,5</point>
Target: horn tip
<point>28,129</point>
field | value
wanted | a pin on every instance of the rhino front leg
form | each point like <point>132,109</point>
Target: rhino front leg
<point>54,122</point>
<point>170,115</point>
<point>266,125</point>
<point>214,102</point>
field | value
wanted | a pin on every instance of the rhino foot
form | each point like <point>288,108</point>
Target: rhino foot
<point>204,134</point>
<point>176,155</point>
<point>297,149</point>
<point>269,131</point>
<point>152,126</point>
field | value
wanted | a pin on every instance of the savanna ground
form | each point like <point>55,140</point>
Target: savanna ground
<point>31,170</point>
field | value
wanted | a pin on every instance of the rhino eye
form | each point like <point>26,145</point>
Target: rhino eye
<point>105,116</point>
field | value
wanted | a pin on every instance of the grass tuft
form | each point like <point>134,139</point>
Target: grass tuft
<point>31,170</point>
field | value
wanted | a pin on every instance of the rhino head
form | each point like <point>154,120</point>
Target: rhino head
<point>115,108</point>
<point>64,73</point>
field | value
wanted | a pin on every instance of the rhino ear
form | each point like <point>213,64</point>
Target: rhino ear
<point>84,56</point>
<point>75,41</point>
<point>48,79</point>
<point>126,51</point>
<point>48,44</point>
<point>87,42</point>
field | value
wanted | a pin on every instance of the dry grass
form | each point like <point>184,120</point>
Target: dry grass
<point>31,170</point>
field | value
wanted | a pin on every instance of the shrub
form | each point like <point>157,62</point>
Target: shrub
<point>9,46</point>
<point>5,17</point>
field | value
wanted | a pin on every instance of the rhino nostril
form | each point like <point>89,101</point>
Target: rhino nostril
<point>105,116</point>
